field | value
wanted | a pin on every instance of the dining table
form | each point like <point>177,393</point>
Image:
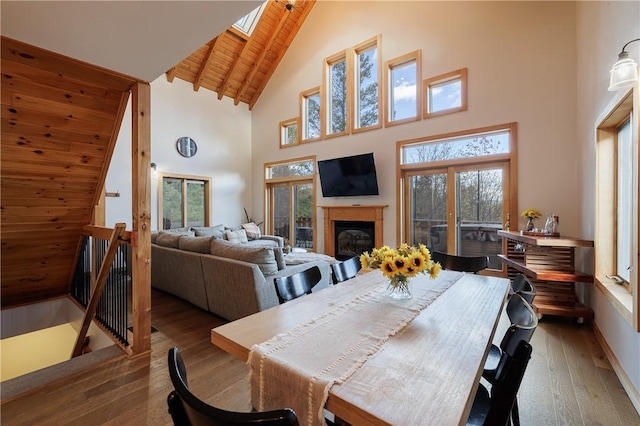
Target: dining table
<point>367,358</point>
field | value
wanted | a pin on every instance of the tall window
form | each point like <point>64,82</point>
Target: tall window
<point>290,199</point>
<point>617,227</point>
<point>310,113</point>
<point>367,82</point>
<point>337,102</point>
<point>403,93</point>
<point>183,201</point>
<point>455,191</point>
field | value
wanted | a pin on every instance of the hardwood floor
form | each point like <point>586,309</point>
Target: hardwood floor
<point>568,381</point>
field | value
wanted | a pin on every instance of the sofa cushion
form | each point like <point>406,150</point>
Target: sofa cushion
<point>263,257</point>
<point>277,251</point>
<point>210,231</point>
<point>237,237</point>
<point>195,244</point>
<point>168,239</point>
<point>253,231</point>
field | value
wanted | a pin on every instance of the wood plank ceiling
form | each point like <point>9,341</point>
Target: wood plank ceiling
<point>60,122</point>
<point>239,66</point>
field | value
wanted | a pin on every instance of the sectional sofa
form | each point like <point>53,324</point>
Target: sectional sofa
<point>229,279</point>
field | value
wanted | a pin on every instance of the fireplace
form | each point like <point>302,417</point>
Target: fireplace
<point>353,238</point>
<point>361,226</point>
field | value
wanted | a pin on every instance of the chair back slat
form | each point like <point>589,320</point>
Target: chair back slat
<point>293,286</point>
<point>453,262</point>
<point>343,271</point>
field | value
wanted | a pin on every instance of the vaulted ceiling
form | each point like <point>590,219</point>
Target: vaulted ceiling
<point>239,66</point>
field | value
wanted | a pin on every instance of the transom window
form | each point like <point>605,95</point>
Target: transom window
<point>289,135</point>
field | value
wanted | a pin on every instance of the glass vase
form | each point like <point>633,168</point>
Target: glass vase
<point>530,225</point>
<point>399,291</point>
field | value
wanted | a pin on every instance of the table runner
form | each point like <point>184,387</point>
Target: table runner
<point>297,368</point>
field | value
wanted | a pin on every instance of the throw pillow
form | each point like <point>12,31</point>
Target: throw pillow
<point>210,231</point>
<point>195,244</point>
<point>277,251</point>
<point>252,230</point>
<point>263,257</point>
<point>168,239</point>
<point>237,237</point>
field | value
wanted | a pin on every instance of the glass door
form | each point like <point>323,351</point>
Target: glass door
<point>293,213</point>
<point>458,210</point>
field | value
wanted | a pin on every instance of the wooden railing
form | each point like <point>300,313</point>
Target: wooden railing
<point>103,284</point>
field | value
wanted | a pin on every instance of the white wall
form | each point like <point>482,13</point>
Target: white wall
<point>521,63</point>
<point>602,29</point>
<point>223,134</point>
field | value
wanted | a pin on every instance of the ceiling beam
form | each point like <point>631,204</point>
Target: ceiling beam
<point>197,82</point>
<point>227,80</point>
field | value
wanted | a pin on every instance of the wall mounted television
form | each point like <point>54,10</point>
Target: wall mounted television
<point>348,176</point>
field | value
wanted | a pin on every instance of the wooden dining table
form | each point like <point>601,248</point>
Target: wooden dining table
<point>442,350</point>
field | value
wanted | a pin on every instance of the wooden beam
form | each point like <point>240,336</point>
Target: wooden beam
<point>227,79</point>
<point>97,291</point>
<point>141,218</point>
<point>303,15</point>
<point>171,74</point>
<point>197,82</point>
<point>258,63</point>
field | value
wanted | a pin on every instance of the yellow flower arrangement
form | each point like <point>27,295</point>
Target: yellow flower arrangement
<point>401,264</point>
<point>531,213</point>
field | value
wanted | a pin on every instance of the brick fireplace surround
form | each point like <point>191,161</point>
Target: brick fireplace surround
<point>350,213</point>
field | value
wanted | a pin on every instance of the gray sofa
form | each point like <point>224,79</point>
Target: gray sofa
<point>228,279</point>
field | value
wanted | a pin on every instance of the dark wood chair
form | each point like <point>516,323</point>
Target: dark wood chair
<point>187,410</point>
<point>524,287</point>
<point>298,284</point>
<point>523,324</point>
<point>496,408</point>
<point>453,262</point>
<point>346,270</point>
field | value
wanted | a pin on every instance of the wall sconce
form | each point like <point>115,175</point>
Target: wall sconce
<point>624,72</point>
<point>154,168</point>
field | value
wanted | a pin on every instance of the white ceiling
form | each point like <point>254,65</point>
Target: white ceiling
<point>141,39</point>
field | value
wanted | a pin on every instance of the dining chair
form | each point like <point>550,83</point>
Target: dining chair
<point>523,324</point>
<point>346,270</point>
<point>188,410</point>
<point>524,287</point>
<point>495,408</point>
<point>298,284</point>
<point>453,262</point>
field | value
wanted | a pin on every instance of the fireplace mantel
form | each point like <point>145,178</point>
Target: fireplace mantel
<point>354,213</point>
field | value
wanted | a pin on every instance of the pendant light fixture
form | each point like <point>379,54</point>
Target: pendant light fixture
<point>624,72</point>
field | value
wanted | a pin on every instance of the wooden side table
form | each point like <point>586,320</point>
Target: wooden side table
<point>550,263</point>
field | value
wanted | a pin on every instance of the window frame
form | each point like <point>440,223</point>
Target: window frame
<point>283,126</point>
<point>372,43</point>
<point>184,178</point>
<point>390,66</point>
<point>626,300</point>
<point>271,183</point>
<point>325,109</point>
<point>302,130</point>
<point>428,83</point>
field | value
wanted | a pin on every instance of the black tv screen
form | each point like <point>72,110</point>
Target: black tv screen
<point>348,176</point>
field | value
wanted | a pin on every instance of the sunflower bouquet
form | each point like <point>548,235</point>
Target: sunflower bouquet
<point>401,264</point>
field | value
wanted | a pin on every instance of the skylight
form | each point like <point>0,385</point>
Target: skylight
<point>247,23</point>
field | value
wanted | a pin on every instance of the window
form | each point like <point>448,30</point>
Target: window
<point>183,201</point>
<point>403,96</point>
<point>455,191</point>
<point>290,200</point>
<point>446,94</point>
<point>310,113</point>
<point>289,133</point>
<point>247,23</point>
<point>616,205</point>
<point>367,82</point>
<point>337,102</point>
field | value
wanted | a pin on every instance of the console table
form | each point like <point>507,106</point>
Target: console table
<point>550,263</point>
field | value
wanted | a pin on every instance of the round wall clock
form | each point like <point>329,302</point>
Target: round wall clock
<point>186,146</point>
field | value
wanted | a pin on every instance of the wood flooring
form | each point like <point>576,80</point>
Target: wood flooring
<point>569,381</point>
